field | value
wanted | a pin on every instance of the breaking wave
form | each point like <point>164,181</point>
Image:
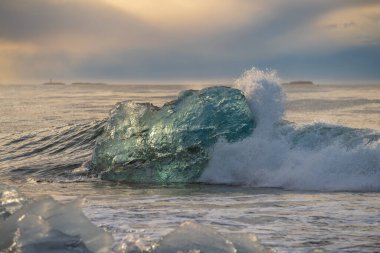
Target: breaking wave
<point>318,156</point>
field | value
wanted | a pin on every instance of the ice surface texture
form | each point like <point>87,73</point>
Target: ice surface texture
<point>142,143</point>
<point>191,237</point>
<point>10,201</point>
<point>45,225</point>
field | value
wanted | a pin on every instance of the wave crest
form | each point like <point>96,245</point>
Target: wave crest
<point>279,154</point>
<point>265,95</point>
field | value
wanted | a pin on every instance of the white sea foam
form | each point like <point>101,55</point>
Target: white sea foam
<point>312,157</point>
<point>264,94</point>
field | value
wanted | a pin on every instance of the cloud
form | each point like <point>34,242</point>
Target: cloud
<point>180,14</point>
<point>178,39</point>
<point>39,37</point>
<point>62,24</point>
<point>354,25</point>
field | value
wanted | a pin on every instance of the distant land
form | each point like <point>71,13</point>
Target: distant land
<point>53,83</point>
<point>299,83</point>
<point>87,83</point>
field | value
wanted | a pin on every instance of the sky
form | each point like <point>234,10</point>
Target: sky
<point>181,41</point>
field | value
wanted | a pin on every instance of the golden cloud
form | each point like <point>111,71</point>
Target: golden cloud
<point>355,25</point>
<point>200,14</point>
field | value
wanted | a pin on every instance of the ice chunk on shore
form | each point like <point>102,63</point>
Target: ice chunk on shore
<point>10,201</point>
<point>143,143</point>
<point>45,225</point>
<point>191,237</point>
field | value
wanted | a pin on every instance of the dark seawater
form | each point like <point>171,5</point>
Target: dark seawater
<point>320,188</point>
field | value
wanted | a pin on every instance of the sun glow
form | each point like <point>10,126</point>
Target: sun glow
<point>8,50</point>
<point>181,13</point>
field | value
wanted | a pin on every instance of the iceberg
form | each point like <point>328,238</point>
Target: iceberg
<point>142,143</point>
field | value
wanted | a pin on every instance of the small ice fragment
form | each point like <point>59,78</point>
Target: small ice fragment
<point>45,225</point>
<point>10,201</point>
<point>193,237</point>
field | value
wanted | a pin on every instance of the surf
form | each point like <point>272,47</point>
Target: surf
<point>316,156</point>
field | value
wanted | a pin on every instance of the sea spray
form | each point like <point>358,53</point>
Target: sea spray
<point>265,96</point>
<point>279,154</point>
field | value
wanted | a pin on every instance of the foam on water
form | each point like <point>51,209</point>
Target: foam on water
<point>319,156</point>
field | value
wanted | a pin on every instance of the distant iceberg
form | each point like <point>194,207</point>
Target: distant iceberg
<point>53,83</point>
<point>299,83</point>
<point>88,84</point>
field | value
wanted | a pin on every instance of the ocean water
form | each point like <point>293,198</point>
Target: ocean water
<point>307,179</point>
